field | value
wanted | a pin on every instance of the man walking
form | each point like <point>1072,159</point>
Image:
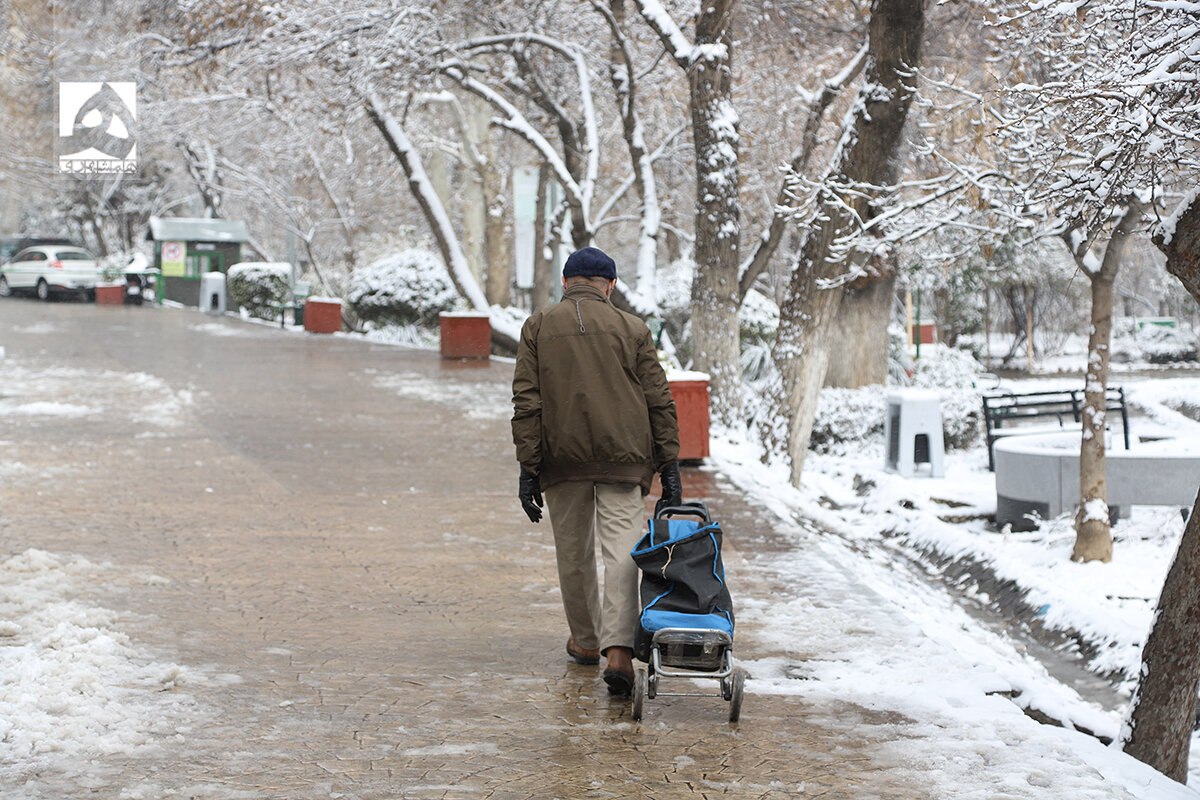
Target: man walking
<point>593,420</point>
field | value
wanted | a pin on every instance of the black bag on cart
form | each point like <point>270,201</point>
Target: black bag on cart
<point>683,578</point>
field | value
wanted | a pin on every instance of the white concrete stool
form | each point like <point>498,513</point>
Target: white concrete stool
<point>212,292</point>
<point>913,432</point>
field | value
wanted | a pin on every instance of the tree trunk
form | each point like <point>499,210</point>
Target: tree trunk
<point>1093,539</point>
<point>497,233</point>
<point>1158,728</point>
<point>865,158</point>
<point>1183,250</point>
<point>474,202</point>
<point>861,331</point>
<point>1028,329</point>
<point>541,264</point>
<point>714,301</point>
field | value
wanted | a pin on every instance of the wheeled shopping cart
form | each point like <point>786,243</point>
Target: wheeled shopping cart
<point>686,625</point>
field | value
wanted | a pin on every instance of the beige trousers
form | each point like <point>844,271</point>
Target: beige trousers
<point>583,514</point>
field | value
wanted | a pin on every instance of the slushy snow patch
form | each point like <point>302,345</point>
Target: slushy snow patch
<point>73,687</point>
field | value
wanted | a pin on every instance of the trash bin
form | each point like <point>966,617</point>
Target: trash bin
<point>689,390</point>
<point>212,292</point>
<point>465,334</point>
<point>913,432</point>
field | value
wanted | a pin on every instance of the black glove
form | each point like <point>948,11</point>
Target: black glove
<point>530,493</point>
<point>672,487</point>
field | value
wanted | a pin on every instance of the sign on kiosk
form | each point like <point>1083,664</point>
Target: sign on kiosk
<point>174,258</point>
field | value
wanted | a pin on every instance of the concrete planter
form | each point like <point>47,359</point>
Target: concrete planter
<point>1039,474</point>
<point>323,315</point>
<point>465,335</point>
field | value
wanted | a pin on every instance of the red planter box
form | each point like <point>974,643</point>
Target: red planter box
<point>925,333</point>
<point>691,406</point>
<point>322,316</point>
<point>110,295</point>
<point>465,335</point>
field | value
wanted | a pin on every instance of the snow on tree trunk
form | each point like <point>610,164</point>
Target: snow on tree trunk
<point>542,264</point>
<point>474,203</point>
<point>860,328</point>
<point>1158,727</point>
<point>1093,539</point>
<point>1179,239</point>
<point>498,232</point>
<point>714,300</point>
<point>869,140</point>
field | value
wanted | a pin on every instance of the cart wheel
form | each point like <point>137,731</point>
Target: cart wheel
<point>651,685</point>
<point>726,689</point>
<point>737,685</point>
<point>640,684</point>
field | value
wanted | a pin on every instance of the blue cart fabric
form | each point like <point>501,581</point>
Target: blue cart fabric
<point>683,578</point>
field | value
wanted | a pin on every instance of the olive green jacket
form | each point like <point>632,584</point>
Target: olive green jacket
<point>590,399</point>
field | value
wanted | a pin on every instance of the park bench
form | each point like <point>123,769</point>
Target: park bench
<point>1008,413</point>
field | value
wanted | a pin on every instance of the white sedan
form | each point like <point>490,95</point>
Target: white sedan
<point>50,269</point>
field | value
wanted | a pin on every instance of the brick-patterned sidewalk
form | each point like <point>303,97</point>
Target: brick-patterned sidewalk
<point>344,570</point>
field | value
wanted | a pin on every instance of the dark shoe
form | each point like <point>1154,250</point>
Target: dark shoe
<point>618,672</point>
<point>580,655</point>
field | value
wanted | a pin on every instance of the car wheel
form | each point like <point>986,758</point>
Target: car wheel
<point>43,289</point>
<point>5,289</point>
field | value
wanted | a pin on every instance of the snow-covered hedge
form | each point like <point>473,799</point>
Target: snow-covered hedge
<point>848,418</point>
<point>410,287</point>
<point>258,286</point>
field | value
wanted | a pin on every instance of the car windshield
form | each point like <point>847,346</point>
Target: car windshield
<point>72,255</point>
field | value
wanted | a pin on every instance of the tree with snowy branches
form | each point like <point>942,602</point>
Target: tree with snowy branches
<point>1125,112</point>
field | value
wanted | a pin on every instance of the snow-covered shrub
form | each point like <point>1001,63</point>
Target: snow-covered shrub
<point>954,373</point>
<point>942,367</point>
<point>258,286</point>
<point>758,318</point>
<point>900,365</point>
<point>848,419</point>
<point>673,291</point>
<point>410,287</point>
<point>756,360</point>
<point>1160,345</point>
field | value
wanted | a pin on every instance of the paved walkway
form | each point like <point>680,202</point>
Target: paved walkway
<point>340,562</point>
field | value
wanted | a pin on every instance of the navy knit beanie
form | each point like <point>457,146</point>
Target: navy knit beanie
<point>590,262</point>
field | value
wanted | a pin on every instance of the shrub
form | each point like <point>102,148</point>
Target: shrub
<point>258,286</point>
<point>410,287</point>
<point>848,419</point>
<point>1161,345</point>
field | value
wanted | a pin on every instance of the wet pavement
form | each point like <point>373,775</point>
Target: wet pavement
<point>324,532</point>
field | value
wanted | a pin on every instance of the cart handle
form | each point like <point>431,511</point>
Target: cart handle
<point>693,509</point>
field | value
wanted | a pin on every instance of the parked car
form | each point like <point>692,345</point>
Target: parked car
<point>11,245</point>
<point>47,270</point>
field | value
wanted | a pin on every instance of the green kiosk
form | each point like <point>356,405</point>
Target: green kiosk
<point>185,248</point>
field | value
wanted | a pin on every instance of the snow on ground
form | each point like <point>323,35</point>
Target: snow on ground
<point>956,680</point>
<point>74,689</point>
<point>32,392</point>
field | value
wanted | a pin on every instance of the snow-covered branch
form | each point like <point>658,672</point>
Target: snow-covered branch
<point>422,189</point>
